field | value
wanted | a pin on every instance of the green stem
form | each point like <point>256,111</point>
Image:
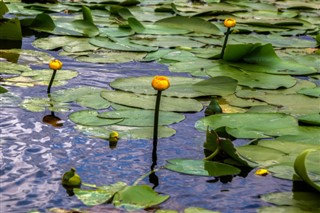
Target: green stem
<point>51,81</point>
<point>213,154</point>
<point>225,43</point>
<point>144,176</point>
<point>155,128</point>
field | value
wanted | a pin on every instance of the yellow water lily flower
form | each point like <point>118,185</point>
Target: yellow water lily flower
<point>55,64</point>
<point>114,136</point>
<point>229,22</point>
<point>160,83</point>
<point>262,172</point>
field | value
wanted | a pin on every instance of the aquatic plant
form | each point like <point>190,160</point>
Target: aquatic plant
<point>229,23</point>
<point>159,83</point>
<point>55,65</point>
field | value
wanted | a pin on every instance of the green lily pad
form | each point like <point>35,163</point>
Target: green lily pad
<point>313,92</point>
<point>198,210</point>
<point>107,56</point>
<point>122,45</point>
<point>54,42</point>
<point>126,132</point>
<point>148,101</point>
<point>138,117</point>
<point>195,24</point>
<point>41,104</point>
<point>73,94</point>
<point>313,119</point>
<point>10,29</point>
<point>136,197</point>
<point>251,125</point>
<point>101,195</point>
<point>299,201</point>
<point>179,86</point>
<point>165,41</point>
<point>12,68</point>
<point>90,118</point>
<point>45,75</point>
<point>252,79</point>
<point>201,167</point>
<point>26,57</point>
<point>306,165</point>
<point>93,101</point>
<point>289,103</point>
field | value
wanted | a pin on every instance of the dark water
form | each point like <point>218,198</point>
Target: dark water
<point>34,155</point>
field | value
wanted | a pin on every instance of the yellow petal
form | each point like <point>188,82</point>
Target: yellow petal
<point>262,172</point>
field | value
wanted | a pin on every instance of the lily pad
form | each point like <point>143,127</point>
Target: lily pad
<point>305,170</point>
<point>201,167</point>
<point>126,132</point>
<point>179,86</point>
<point>90,118</point>
<point>251,125</point>
<point>300,201</point>
<point>138,117</point>
<point>148,101</point>
<point>198,210</point>
<point>195,24</point>
<point>102,194</point>
<point>136,197</point>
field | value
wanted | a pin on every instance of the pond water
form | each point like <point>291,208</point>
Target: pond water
<point>35,155</point>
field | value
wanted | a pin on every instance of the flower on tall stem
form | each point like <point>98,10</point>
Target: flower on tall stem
<point>159,83</point>
<point>55,65</point>
<point>229,23</point>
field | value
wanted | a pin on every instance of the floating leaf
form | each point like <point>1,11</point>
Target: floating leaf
<point>179,86</point>
<point>123,45</point>
<point>195,24</point>
<point>126,132</point>
<point>141,196</point>
<point>137,117</point>
<point>201,167</point>
<point>41,104</point>
<point>93,101</point>
<point>252,79</point>
<point>148,101</point>
<point>313,119</point>
<point>251,125</point>
<point>298,201</point>
<point>101,195</point>
<point>300,166</point>
<point>198,210</point>
<point>90,118</point>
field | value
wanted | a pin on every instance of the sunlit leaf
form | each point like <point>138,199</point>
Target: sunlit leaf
<point>148,101</point>
<point>123,45</point>
<point>137,117</point>
<point>298,201</point>
<point>195,24</point>
<point>126,132</point>
<point>198,210</point>
<point>302,169</point>
<point>201,167</point>
<point>141,196</point>
<point>179,86</point>
<point>101,195</point>
<point>90,118</point>
<point>251,125</point>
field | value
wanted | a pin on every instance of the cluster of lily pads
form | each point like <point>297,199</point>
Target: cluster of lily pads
<point>267,83</point>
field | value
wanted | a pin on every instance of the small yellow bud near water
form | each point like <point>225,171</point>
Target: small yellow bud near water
<point>160,83</point>
<point>114,136</point>
<point>55,64</point>
<point>262,172</point>
<point>229,22</point>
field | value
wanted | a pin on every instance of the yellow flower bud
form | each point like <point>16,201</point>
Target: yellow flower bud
<point>55,64</point>
<point>160,83</point>
<point>229,22</point>
<point>114,136</point>
<point>262,172</point>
